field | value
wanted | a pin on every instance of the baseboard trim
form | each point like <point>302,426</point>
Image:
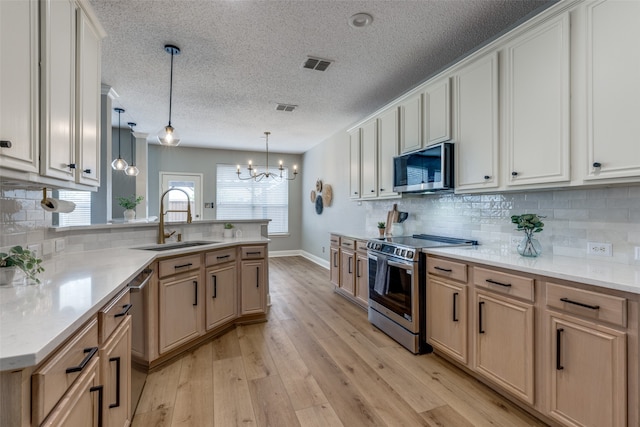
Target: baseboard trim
<point>316,260</point>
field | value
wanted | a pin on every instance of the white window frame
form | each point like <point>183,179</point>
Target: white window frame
<point>196,178</point>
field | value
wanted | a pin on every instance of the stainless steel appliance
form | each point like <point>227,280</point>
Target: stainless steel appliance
<point>397,286</point>
<point>424,171</point>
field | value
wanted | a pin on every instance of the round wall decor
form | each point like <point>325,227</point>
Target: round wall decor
<point>319,205</point>
<point>327,195</point>
<point>319,185</point>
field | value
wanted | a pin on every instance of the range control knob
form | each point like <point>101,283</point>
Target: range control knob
<point>403,252</point>
<point>410,254</point>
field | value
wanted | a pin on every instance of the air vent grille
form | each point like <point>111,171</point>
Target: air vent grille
<point>317,64</point>
<point>285,107</point>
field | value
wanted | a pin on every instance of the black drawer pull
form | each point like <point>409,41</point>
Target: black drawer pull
<point>480,330</point>
<point>559,366</point>
<point>125,310</point>
<point>592,307</point>
<point>455,309</point>
<point>215,285</point>
<point>223,256</point>
<point>448,270</point>
<point>90,352</point>
<point>183,265</point>
<point>493,282</point>
<point>88,171</point>
<point>5,144</point>
<point>117,403</point>
<point>254,253</point>
<point>71,165</point>
<point>195,283</point>
<point>100,390</point>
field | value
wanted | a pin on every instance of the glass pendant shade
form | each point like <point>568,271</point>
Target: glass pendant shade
<point>132,170</point>
<point>119,164</point>
<point>168,136</point>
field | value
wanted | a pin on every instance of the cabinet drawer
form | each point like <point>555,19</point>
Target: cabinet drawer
<point>253,252</point>
<point>113,314</point>
<point>606,308</point>
<point>511,284</point>
<point>361,246</point>
<point>178,265</point>
<point>52,380</point>
<point>446,268</point>
<point>348,243</point>
<point>335,240</point>
<point>219,257</point>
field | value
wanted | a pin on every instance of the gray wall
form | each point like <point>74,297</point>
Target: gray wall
<point>204,160</point>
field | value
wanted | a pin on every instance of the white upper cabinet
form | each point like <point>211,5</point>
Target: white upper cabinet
<point>19,85</point>
<point>536,104</point>
<point>387,150</point>
<point>354,164</point>
<point>437,112</point>
<point>369,159</point>
<point>613,89</point>
<point>411,124</point>
<point>476,118</point>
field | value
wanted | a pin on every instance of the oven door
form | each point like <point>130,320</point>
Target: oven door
<point>400,303</point>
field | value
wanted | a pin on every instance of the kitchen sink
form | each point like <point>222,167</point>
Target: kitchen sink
<point>170,246</point>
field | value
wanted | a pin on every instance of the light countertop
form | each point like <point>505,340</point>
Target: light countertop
<point>610,275</point>
<point>35,319</point>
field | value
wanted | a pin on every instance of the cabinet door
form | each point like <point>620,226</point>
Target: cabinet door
<point>334,260</point>
<point>347,267</point>
<point>437,112</point>
<point>587,373</point>
<point>179,316</point>
<point>221,295</point>
<point>504,343</point>
<point>88,102</point>
<point>536,109</point>
<point>19,84</point>
<point>354,164</point>
<point>369,160</point>
<point>115,361</point>
<point>253,289</point>
<point>447,317</point>
<point>613,89</point>
<point>476,112</point>
<point>411,124</point>
<point>57,150</point>
<point>362,279</point>
<point>387,149</point>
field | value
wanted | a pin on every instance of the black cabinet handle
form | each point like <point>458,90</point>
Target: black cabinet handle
<point>223,256</point>
<point>480,330</point>
<point>5,144</point>
<point>215,285</point>
<point>87,171</point>
<point>382,189</point>
<point>117,403</point>
<point>559,366</point>
<point>487,177</point>
<point>254,253</point>
<point>358,268</point>
<point>100,390</point>
<point>373,191</point>
<point>257,277</point>
<point>355,192</point>
<point>448,270</point>
<point>182,266</point>
<point>71,165</point>
<point>455,308</point>
<point>90,352</point>
<point>195,283</point>
<point>125,310</point>
<point>493,282</point>
<point>592,307</point>
<point>514,173</point>
<point>335,259</point>
<point>349,265</point>
<point>597,164</point>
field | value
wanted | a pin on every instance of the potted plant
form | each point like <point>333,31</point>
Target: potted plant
<point>381,227</point>
<point>19,258</point>
<point>529,223</point>
<point>129,204</point>
<point>228,229</point>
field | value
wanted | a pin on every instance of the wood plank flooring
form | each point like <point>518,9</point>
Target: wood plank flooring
<point>317,362</point>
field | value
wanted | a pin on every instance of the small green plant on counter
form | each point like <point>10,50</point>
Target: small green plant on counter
<point>130,202</point>
<point>382,224</point>
<point>529,223</point>
<point>228,226</point>
<point>24,259</point>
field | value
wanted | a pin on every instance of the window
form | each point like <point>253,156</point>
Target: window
<point>81,215</point>
<point>267,199</point>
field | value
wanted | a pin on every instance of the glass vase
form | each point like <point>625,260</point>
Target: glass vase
<point>529,246</point>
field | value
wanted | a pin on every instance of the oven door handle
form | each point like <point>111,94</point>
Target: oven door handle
<point>400,265</point>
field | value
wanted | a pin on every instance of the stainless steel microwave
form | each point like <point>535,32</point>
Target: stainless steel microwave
<point>424,171</point>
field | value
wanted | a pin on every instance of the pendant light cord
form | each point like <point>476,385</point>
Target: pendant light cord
<point>119,144</point>
<point>171,87</point>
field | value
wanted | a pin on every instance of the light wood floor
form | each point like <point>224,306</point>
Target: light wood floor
<point>316,362</point>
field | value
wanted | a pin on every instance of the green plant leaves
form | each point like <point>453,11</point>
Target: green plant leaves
<point>530,223</point>
<point>24,259</point>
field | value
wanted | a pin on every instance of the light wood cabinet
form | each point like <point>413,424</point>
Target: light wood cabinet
<point>388,134</point>
<point>447,319</point>
<point>354,164</point>
<point>221,295</point>
<point>369,160</point>
<point>411,136</point>
<point>361,291</point>
<point>115,362</point>
<point>334,260</point>
<point>19,85</point>
<point>476,122</point>
<point>253,278</point>
<point>437,112</point>
<point>351,266</point>
<point>536,105</point>
<point>613,89</point>
<point>347,268</point>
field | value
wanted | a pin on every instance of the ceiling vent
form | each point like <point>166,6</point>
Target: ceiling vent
<point>285,107</point>
<point>317,64</point>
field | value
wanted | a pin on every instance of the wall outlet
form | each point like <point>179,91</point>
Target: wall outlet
<point>601,249</point>
<point>59,245</point>
<point>37,251</point>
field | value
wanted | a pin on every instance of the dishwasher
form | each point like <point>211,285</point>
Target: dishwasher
<point>139,329</point>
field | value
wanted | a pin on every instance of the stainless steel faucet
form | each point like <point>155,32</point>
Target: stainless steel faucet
<point>161,234</point>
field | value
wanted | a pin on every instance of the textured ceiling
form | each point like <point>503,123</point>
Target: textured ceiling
<point>240,58</point>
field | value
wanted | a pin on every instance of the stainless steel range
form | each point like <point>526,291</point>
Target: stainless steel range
<point>397,286</point>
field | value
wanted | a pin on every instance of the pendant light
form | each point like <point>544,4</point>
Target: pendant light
<point>132,170</point>
<point>168,135</point>
<point>119,164</point>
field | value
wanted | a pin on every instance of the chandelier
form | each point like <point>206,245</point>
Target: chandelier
<point>259,176</point>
